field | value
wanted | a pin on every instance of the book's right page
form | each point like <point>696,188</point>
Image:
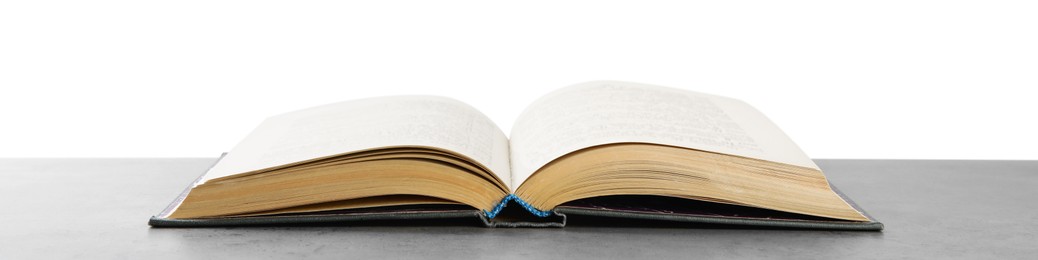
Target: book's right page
<point>605,112</point>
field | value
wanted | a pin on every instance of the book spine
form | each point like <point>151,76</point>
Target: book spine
<point>512,198</point>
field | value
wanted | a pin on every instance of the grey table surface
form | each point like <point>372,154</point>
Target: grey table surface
<point>98,208</point>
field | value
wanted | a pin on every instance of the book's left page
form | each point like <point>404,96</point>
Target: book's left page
<point>366,124</point>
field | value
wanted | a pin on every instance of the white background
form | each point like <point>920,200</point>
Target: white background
<point>862,79</point>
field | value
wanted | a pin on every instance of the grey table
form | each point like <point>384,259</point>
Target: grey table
<point>98,208</point>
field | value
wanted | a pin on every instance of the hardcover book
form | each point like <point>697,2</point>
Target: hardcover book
<point>604,149</point>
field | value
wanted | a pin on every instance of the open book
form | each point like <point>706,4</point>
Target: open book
<point>606,148</point>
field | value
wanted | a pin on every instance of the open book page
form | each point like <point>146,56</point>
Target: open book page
<point>605,112</point>
<point>368,124</point>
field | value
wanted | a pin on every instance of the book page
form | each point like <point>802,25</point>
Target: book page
<point>368,124</point>
<point>605,112</point>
